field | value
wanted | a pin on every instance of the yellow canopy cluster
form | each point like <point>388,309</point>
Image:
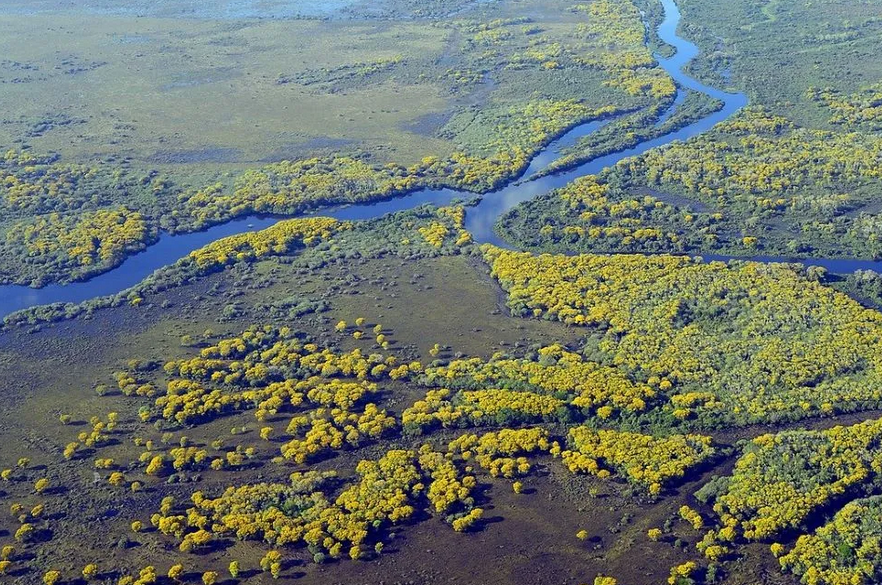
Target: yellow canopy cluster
<point>479,407</point>
<point>757,158</point>
<point>98,238</point>
<point>386,491</point>
<point>278,239</point>
<point>651,462</point>
<point>588,385</point>
<point>801,348</point>
<point>783,478</point>
<point>845,551</point>
<point>860,108</point>
<point>496,451</point>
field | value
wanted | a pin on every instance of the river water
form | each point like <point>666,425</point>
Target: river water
<point>480,219</point>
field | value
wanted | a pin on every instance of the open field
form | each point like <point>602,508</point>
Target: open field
<point>184,93</point>
<point>189,122</point>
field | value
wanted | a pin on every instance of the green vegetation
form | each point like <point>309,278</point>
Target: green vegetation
<point>846,550</point>
<point>801,472</point>
<point>777,50</point>
<point>643,459</point>
<point>783,482</point>
<point>796,174</point>
<point>403,236</point>
<point>593,388</point>
<point>80,245</point>
<point>466,106</point>
<point>303,405</point>
<point>64,219</point>
<point>863,108</point>
<point>629,130</point>
<point>340,409</point>
<point>742,343</point>
<point>755,184</point>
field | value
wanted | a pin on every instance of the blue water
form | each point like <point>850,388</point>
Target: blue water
<point>480,219</point>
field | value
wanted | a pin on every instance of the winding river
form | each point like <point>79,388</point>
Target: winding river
<point>480,219</point>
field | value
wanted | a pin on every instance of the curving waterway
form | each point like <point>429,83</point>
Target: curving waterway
<point>480,219</point>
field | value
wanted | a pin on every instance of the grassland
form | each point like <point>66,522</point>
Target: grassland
<point>192,122</point>
<point>777,50</point>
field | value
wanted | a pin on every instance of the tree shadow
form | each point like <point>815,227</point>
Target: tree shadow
<point>490,520</point>
<point>19,571</point>
<point>214,546</point>
<point>42,535</point>
<point>58,490</point>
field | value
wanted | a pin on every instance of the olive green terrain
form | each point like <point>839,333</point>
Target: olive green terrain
<point>387,401</point>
